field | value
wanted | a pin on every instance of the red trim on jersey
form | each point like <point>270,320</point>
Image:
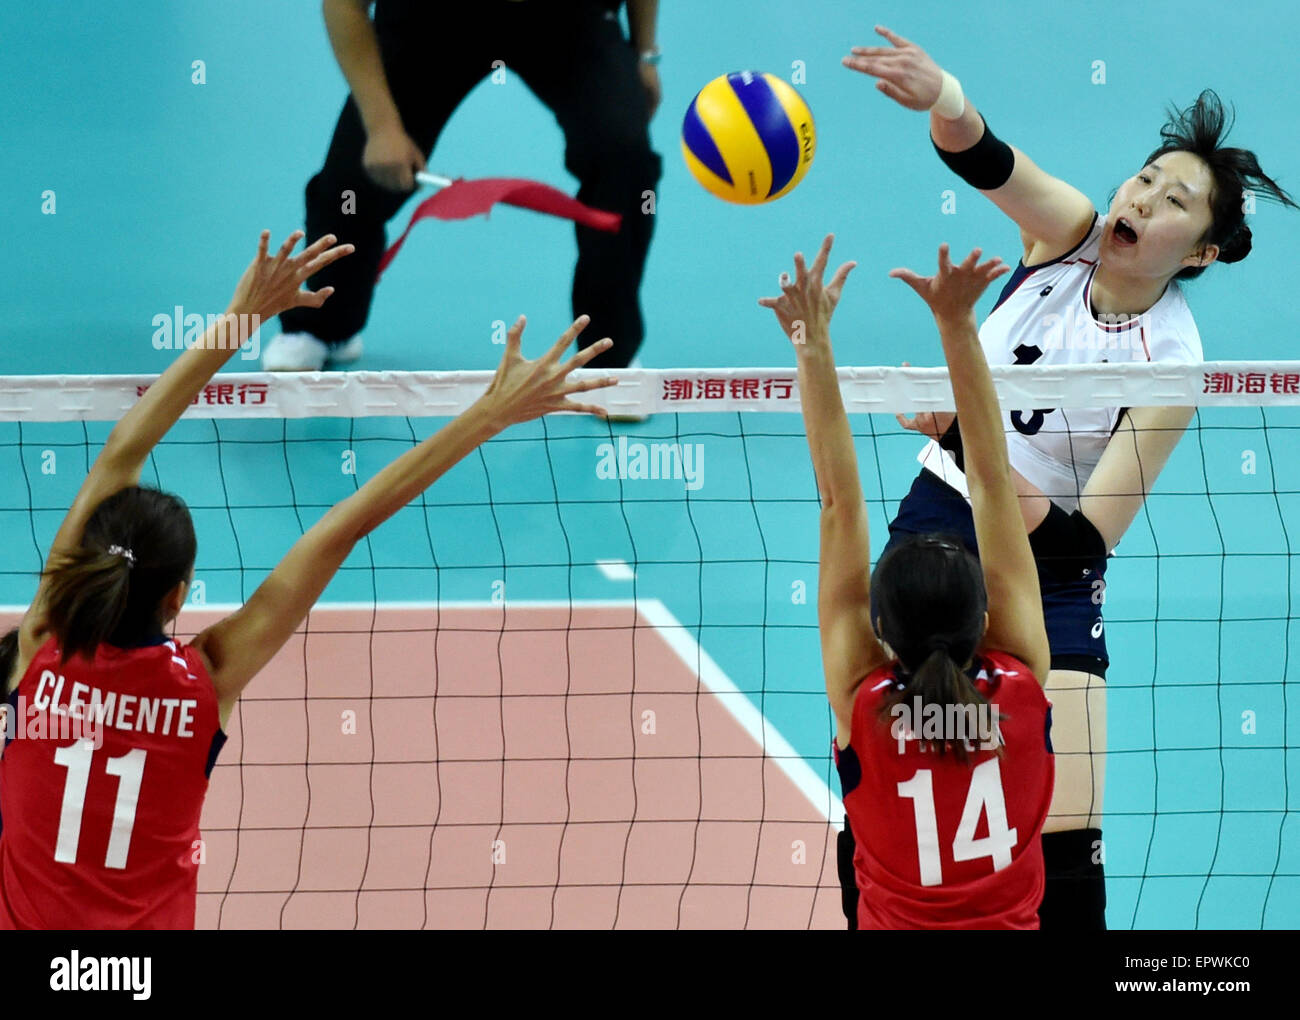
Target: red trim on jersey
<point>1113,327</point>
<point>1023,272</point>
<point>1061,258</point>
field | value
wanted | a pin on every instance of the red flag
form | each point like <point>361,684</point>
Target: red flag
<point>463,199</point>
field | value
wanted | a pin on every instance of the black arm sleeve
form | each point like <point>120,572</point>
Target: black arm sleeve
<point>985,165</point>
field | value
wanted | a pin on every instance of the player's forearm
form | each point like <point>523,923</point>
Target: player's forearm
<point>356,48</point>
<point>410,474</point>
<point>988,469</point>
<point>142,427</point>
<point>642,19</point>
<point>830,439</point>
<point>1132,461</point>
<point>960,134</point>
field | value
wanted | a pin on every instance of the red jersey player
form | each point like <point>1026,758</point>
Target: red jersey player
<point>933,665</point>
<point>116,728</point>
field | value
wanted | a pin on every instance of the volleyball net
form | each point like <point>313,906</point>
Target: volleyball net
<point>578,682</point>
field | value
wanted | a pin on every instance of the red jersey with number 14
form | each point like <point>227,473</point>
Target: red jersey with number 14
<point>942,843</point>
<point>102,787</point>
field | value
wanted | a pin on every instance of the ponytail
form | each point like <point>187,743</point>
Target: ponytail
<point>86,598</point>
<point>940,681</point>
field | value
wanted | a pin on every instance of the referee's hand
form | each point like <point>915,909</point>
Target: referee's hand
<point>392,159</point>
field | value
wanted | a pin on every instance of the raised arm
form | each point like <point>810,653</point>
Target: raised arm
<point>390,157</point>
<point>236,648</point>
<point>849,647</point>
<point>270,285</point>
<point>1010,577</point>
<point>1053,216</point>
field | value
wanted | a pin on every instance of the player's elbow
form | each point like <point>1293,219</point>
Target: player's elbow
<point>837,510</point>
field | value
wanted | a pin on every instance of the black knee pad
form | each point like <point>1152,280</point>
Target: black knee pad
<point>1074,898</point>
<point>845,847</point>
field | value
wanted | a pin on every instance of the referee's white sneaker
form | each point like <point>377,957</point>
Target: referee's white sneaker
<point>347,352</point>
<point>302,352</point>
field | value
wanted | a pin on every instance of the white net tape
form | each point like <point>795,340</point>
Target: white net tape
<point>650,391</point>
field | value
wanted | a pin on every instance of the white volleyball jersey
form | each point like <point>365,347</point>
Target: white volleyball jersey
<point>1044,317</point>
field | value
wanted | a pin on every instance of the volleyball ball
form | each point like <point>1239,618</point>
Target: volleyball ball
<point>748,137</point>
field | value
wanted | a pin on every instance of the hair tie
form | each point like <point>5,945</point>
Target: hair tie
<point>938,643</point>
<point>124,552</point>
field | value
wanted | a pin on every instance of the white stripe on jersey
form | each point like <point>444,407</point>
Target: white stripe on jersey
<point>1048,320</point>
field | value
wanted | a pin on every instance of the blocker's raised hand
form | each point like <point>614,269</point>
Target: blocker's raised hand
<point>523,390</point>
<point>952,292</point>
<point>273,283</point>
<point>806,305</point>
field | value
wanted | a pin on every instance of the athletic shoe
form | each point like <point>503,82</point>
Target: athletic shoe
<point>345,353</point>
<point>295,352</point>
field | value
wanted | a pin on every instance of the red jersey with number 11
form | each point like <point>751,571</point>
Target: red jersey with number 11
<point>102,787</point>
<point>942,843</point>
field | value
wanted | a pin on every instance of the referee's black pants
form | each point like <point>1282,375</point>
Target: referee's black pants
<point>577,61</point>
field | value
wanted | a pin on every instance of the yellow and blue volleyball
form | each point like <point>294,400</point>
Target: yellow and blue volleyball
<point>748,137</point>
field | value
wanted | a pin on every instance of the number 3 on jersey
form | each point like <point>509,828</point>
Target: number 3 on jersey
<point>129,768</point>
<point>1027,354</point>
<point>983,797</point>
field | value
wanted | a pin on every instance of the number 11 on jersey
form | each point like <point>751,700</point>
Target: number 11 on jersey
<point>129,768</point>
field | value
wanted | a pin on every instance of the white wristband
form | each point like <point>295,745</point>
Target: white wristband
<point>951,104</point>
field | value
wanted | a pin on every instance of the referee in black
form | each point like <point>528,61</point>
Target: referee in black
<point>409,69</point>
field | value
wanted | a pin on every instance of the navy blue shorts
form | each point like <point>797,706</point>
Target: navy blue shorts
<point>1071,609</point>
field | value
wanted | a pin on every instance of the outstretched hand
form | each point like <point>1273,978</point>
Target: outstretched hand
<point>273,284</point>
<point>952,292</point>
<point>806,305</point>
<point>907,73</point>
<point>523,390</point>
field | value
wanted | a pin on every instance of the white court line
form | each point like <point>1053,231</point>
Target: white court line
<point>616,570</point>
<point>744,711</point>
<point>677,636</point>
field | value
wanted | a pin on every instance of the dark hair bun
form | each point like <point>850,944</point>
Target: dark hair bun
<point>1236,247</point>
